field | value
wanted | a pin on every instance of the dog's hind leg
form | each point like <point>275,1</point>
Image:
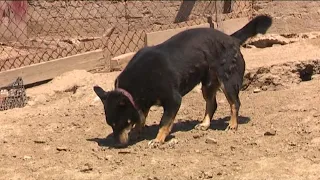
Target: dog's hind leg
<point>171,108</point>
<point>231,92</point>
<point>209,94</point>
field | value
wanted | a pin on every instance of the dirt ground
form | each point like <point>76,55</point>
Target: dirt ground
<point>62,134</point>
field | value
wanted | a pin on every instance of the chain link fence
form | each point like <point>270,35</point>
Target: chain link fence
<point>38,31</point>
<point>33,31</point>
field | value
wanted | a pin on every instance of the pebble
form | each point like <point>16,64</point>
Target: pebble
<point>87,167</point>
<point>316,114</point>
<point>264,88</point>
<point>39,141</point>
<point>26,157</point>
<point>62,148</point>
<point>270,133</point>
<point>211,141</point>
<point>124,152</point>
<point>196,136</point>
<point>257,90</point>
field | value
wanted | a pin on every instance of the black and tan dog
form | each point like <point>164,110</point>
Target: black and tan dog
<point>163,74</point>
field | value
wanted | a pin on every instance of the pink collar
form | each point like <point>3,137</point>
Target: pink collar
<point>128,95</point>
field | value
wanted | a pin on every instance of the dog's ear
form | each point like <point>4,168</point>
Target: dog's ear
<point>100,92</point>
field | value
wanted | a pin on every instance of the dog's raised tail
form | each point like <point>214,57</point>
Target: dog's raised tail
<point>258,25</point>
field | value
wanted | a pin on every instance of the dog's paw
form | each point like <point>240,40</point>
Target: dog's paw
<point>232,127</point>
<point>202,127</point>
<point>154,143</point>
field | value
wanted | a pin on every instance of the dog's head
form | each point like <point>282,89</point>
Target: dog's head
<point>120,112</point>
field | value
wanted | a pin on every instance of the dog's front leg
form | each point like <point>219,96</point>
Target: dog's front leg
<point>170,111</point>
<point>137,130</point>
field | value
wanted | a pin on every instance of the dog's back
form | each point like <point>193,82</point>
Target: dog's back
<point>184,59</point>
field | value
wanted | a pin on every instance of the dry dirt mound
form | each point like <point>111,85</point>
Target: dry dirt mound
<point>77,84</point>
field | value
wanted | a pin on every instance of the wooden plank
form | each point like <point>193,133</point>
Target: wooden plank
<point>120,62</point>
<point>154,38</point>
<point>232,25</point>
<point>48,70</point>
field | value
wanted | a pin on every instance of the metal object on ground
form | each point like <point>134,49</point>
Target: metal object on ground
<point>13,95</point>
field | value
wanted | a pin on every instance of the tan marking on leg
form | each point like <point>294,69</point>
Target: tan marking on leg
<point>233,124</point>
<point>164,131</point>
<point>207,117</point>
<point>209,98</point>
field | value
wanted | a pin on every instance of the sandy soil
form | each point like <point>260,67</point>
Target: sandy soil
<point>62,133</point>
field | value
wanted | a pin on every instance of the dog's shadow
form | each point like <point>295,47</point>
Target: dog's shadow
<point>150,132</point>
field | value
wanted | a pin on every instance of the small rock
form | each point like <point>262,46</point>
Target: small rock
<point>316,114</point>
<point>257,90</point>
<point>26,157</point>
<point>219,173</point>
<point>87,167</point>
<point>124,152</point>
<point>264,88</point>
<point>39,141</point>
<point>62,148</point>
<point>270,133</point>
<point>197,151</point>
<point>196,136</point>
<point>211,141</point>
